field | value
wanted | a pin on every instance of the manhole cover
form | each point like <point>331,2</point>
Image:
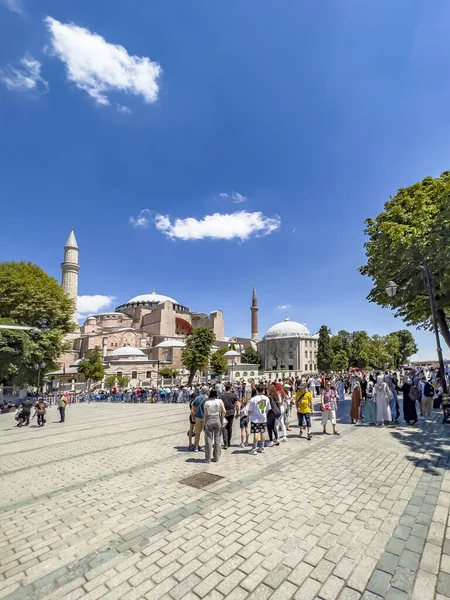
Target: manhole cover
<point>201,480</point>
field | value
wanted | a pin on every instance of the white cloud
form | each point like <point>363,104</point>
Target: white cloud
<point>241,225</point>
<point>235,197</point>
<point>90,305</point>
<point>124,109</point>
<point>284,307</point>
<point>98,67</point>
<point>25,78</point>
<point>238,198</point>
<point>12,5</point>
<point>142,221</point>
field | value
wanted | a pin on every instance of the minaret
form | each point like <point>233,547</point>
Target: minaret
<point>70,268</point>
<point>254,309</point>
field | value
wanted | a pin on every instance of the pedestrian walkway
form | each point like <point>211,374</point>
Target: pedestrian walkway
<point>94,508</point>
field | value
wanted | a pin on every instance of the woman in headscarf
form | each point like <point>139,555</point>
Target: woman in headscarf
<point>370,408</point>
<point>409,404</point>
<point>341,388</point>
<point>355,411</point>
<point>382,396</point>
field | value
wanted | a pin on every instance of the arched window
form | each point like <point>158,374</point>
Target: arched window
<point>252,373</point>
<point>237,374</point>
<point>244,374</point>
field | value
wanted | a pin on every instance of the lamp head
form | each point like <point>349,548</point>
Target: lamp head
<point>391,288</point>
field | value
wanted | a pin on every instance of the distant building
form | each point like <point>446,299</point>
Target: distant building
<point>289,346</point>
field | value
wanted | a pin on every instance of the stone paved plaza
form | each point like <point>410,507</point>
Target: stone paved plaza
<point>94,508</point>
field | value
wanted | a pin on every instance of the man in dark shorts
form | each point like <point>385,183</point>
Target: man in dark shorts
<point>231,403</point>
<point>258,407</point>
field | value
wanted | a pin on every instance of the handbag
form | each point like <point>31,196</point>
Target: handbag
<point>326,407</point>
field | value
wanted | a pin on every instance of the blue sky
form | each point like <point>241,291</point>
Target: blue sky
<point>302,116</point>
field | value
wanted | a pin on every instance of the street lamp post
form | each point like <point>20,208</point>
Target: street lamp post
<point>39,366</point>
<point>391,289</point>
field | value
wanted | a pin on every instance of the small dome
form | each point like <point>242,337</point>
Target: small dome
<point>127,351</point>
<point>171,344</point>
<point>153,297</point>
<point>287,329</point>
<point>75,363</point>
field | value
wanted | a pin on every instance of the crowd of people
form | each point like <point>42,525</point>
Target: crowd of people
<point>267,412</point>
<point>264,408</point>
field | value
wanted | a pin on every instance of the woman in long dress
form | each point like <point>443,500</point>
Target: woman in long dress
<point>382,396</point>
<point>409,405</point>
<point>355,411</point>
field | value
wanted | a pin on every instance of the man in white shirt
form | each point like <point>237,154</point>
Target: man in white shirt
<point>258,407</point>
<point>312,386</point>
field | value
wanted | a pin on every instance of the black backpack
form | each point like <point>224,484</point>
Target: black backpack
<point>428,390</point>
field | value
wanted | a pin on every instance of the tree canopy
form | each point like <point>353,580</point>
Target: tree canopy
<point>414,226</point>
<point>340,361</point>
<point>92,367</point>
<point>196,354</point>
<point>218,362</point>
<point>30,297</point>
<point>168,373</point>
<point>324,350</point>
<point>250,357</point>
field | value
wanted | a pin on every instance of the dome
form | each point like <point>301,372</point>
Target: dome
<point>171,344</point>
<point>287,329</point>
<point>153,297</point>
<point>127,351</point>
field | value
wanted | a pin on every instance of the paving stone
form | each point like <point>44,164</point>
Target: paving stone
<point>424,586</point>
<point>379,583</point>
<point>395,546</point>
<point>284,592</point>
<point>323,570</point>
<point>300,574</point>
<point>443,583</point>
<point>415,544</point>
<point>394,594</point>
<point>277,576</point>
<point>388,562</point>
<point>331,588</point>
<point>308,590</point>
<point>403,579</point>
<point>358,580</point>
<point>430,558</point>
<point>344,567</point>
<point>349,594</point>
<point>409,560</point>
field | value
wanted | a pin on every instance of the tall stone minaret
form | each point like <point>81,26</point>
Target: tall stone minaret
<point>254,309</point>
<point>70,268</point>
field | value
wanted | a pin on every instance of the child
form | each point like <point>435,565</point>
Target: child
<point>244,421</point>
<point>305,409</point>
<point>258,408</point>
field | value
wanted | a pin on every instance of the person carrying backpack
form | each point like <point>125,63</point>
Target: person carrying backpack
<point>427,398</point>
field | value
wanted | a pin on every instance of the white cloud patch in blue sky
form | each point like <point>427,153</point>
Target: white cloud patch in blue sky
<point>98,67</point>
<point>90,305</point>
<point>235,197</point>
<point>24,78</point>
<point>240,225</point>
<point>12,5</point>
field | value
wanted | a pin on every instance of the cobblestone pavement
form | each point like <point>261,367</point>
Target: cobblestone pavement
<point>94,508</point>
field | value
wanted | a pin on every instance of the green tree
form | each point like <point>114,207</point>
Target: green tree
<point>250,356</point>
<point>30,297</point>
<point>123,381</point>
<point>218,362</point>
<point>18,355</point>
<point>361,350</point>
<point>168,373</point>
<point>414,226</point>
<point>92,367</point>
<point>196,354</point>
<point>324,350</point>
<point>407,345</point>
<point>341,341</point>
<point>340,361</point>
<point>110,382</point>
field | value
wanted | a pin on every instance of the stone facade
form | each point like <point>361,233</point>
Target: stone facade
<point>289,347</point>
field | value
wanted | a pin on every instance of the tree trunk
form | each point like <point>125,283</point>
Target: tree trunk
<point>443,325</point>
<point>191,376</point>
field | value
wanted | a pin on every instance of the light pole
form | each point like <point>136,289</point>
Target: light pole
<point>391,289</point>
<point>39,366</point>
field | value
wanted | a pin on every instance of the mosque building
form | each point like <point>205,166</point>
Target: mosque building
<point>148,332</point>
<point>140,336</point>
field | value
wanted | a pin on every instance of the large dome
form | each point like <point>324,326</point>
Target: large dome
<point>153,297</point>
<point>287,329</point>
